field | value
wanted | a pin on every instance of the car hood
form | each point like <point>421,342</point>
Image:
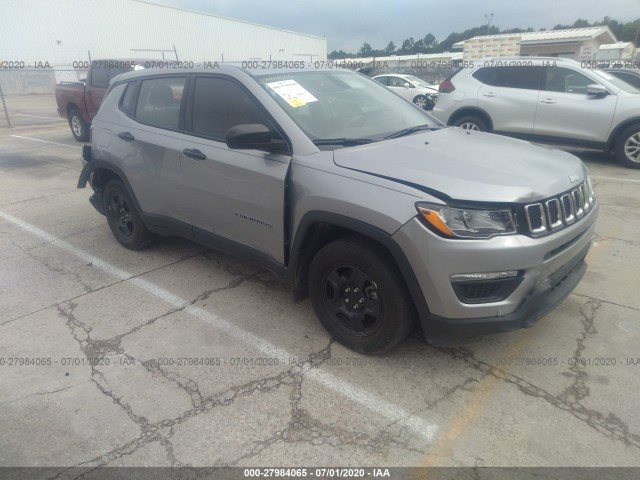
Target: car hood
<point>452,163</point>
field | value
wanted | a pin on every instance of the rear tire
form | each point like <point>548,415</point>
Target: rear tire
<point>627,147</point>
<point>360,296</point>
<point>122,217</point>
<point>79,128</point>
<point>472,122</point>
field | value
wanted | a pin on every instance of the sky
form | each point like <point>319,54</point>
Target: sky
<point>347,24</point>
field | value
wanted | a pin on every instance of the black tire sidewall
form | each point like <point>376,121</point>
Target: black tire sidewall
<point>619,146</point>
<point>141,236</point>
<point>398,315</point>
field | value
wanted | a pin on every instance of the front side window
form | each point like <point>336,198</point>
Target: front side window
<point>397,82</point>
<point>560,79</point>
<point>219,104</point>
<point>159,102</point>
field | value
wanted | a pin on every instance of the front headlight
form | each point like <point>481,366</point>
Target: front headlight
<point>467,223</point>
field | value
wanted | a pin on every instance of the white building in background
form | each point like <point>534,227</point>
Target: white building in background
<point>62,32</point>
<point>616,51</point>
<point>574,43</point>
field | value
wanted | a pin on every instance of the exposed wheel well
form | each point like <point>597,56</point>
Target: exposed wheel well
<point>101,176</point>
<point>463,112</point>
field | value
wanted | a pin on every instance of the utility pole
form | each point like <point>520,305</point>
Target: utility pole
<point>488,17</point>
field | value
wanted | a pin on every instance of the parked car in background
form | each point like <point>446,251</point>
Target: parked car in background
<point>411,88</point>
<point>632,77</point>
<point>545,99</point>
<point>347,192</point>
<point>78,102</point>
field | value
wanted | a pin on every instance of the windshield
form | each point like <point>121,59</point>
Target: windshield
<point>615,81</point>
<point>343,105</point>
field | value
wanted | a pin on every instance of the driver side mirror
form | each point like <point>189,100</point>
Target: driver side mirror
<point>406,85</point>
<point>596,90</point>
<point>253,136</point>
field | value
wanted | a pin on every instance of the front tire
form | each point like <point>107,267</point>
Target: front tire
<point>359,295</point>
<point>421,101</point>
<point>79,128</point>
<point>627,147</point>
<point>122,217</point>
<point>472,122</point>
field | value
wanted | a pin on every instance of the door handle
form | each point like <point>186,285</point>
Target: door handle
<point>547,100</point>
<point>194,153</point>
<point>489,94</point>
<point>126,136</point>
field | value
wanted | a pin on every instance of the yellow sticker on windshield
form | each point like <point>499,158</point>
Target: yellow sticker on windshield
<point>292,92</point>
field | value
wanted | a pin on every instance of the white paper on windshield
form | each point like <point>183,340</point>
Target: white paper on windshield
<point>292,92</point>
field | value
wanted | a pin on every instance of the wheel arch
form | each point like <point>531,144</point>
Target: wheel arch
<point>98,173</point>
<point>318,228</point>
<point>461,112</point>
<point>619,129</point>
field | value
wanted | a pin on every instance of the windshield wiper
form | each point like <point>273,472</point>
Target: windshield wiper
<point>346,142</point>
<point>410,130</point>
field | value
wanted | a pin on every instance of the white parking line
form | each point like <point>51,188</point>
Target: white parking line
<point>44,141</point>
<point>352,392</point>
<point>616,179</point>
<point>38,116</point>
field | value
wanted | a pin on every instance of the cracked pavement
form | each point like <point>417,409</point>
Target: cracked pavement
<point>121,375</point>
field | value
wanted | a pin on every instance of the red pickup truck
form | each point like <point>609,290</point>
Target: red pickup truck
<point>79,101</point>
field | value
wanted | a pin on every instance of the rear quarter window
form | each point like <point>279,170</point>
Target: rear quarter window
<point>128,100</point>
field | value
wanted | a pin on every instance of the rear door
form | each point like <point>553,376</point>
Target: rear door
<point>566,111</point>
<point>147,144</point>
<point>235,195</point>
<point>509,95</point>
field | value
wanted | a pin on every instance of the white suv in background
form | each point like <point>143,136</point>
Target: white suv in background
<point>410,88</point>
<point>550,100</point>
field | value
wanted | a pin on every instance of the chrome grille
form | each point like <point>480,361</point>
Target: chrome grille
<point>559,212</point>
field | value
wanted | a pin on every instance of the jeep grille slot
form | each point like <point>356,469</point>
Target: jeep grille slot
<point>559,212</point>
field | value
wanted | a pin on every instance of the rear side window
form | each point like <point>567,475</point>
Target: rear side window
<point>103,71</point>
<point>159,102</point>
<point>382,80</point>
<point>100,75</point>
<point>525,77</point>
<point>220,104</point>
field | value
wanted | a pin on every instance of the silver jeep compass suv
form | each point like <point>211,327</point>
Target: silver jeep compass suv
<point>355,197</point>
<point>551,100</point>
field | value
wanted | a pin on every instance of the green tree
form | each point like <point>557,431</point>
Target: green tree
<point>407,46</point>
<point>365,50</point>
<point>429,41</point>
<point>391,47</point>
<point>581,23</point>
